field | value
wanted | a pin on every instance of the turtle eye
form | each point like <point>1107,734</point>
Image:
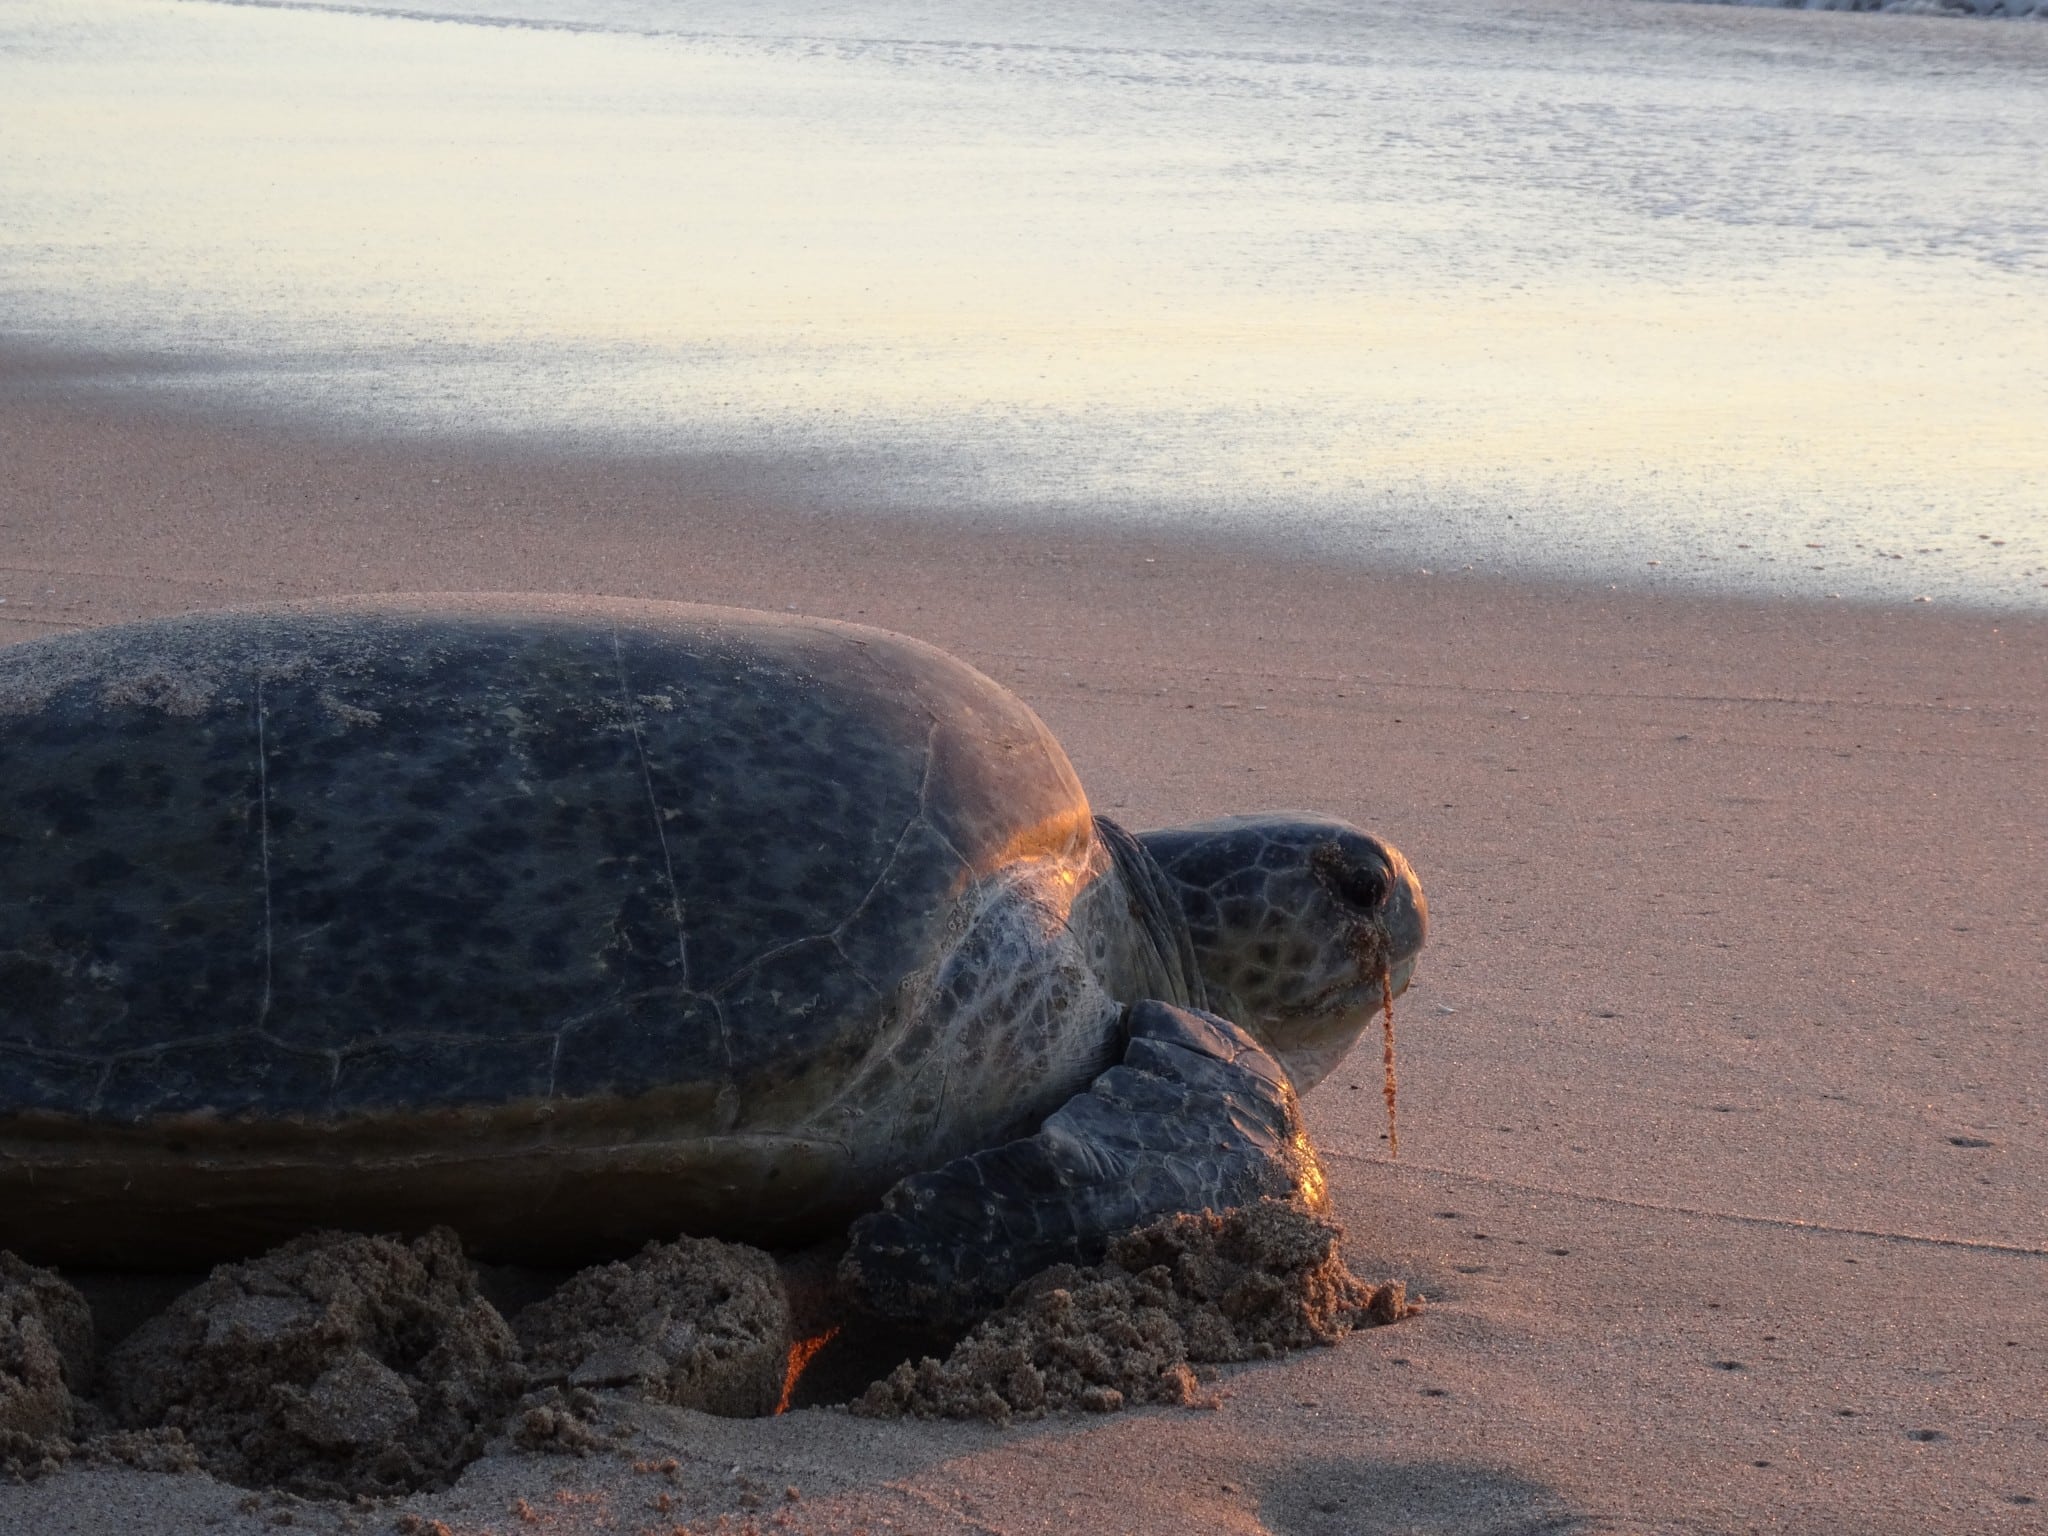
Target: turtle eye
<point>1358,885</point>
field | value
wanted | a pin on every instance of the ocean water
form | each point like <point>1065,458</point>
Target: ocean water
<point>1609,290</point>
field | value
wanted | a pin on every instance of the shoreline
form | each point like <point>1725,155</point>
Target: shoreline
<point>73,401</point>
<point>1731,1002</point>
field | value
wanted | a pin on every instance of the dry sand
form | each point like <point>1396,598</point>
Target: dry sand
<point>1724,1166</point>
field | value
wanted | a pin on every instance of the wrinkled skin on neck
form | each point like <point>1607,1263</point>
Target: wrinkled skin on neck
<point>1301,926</point>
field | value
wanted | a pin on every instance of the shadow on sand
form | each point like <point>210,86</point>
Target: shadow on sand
<point>1366,1496</point>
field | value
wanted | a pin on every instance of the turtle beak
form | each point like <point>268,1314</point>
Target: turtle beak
<point>1406,915</point>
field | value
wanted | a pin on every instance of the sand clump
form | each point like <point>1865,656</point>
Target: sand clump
<point>334,1365</point>
<point>340,1364</point>
<point>558,1422</point>
<point>46,1347</point>
<point>695,1323</point>
<point>1249,1284</point>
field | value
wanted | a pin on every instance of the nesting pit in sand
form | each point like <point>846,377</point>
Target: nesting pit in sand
<point>341,1365</point>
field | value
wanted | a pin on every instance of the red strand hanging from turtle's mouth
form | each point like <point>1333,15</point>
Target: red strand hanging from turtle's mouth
<point>1387,1060</point>
<point>801,1353</point>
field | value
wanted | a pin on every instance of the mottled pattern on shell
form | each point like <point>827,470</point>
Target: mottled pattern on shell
<point>328,863</point>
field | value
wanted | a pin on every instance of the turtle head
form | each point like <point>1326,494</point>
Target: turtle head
<point>1299,923</point>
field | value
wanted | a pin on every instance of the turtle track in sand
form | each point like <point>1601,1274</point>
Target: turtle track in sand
<point>340,1365</point>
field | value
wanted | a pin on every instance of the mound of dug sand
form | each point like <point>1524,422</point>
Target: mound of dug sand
<point>335,1365</point>
<point>697,1323</point>
<point>1249,1284</point>
<point>45,1356</point>
<point>341,1364</point>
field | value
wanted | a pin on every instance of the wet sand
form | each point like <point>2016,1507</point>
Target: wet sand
<point>1723,1158</point>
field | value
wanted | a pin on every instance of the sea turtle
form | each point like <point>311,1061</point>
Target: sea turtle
<point>569,922</point>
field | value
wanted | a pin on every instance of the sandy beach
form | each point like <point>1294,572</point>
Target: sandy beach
<point>1723,1165</point>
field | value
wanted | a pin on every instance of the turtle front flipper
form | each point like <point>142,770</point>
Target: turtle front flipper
<point>1197,1116</point>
